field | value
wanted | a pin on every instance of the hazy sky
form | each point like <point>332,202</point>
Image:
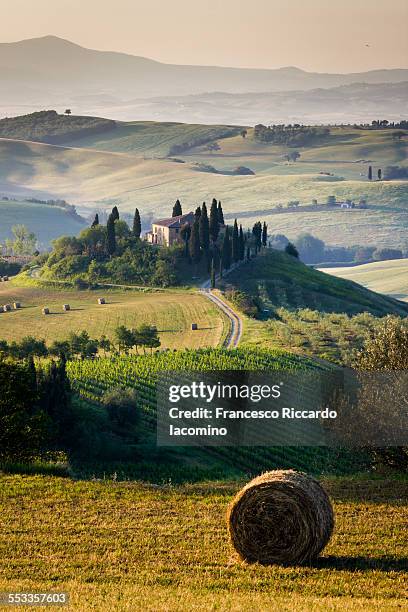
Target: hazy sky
<point>321,35</point>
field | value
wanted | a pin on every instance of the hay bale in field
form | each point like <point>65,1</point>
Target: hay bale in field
<point>101,301</point>
<point>194,326</point>
<point>7,307</point>
<point>5,278</point>
<point>66,307</point>
<point>282,517</point>
<point>46,311</point>
<point>16,305</point>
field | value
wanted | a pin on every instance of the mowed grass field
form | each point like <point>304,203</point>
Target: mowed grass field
<point>171,311</point>
<point>389,277</point>
<point>129,546</point>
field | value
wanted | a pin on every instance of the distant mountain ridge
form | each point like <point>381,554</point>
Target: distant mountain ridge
<point>42,59</point>
<point>51,72</point>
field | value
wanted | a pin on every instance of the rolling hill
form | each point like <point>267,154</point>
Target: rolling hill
<point>388,277</point>
<point>275,280</point>
<point>149,165</point>
<point>47,222</point>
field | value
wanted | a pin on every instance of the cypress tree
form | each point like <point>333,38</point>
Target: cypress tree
<point>177,210</point>
<point>379,174</point>
<point>257,234</point>
<point>235,243</point>
<point>226,250</point>
<point>111,242</point>
<point>137,225</point>
<point>370,173</point>
<point>241,244</point>
<point>204,228</point>
<point>264,234</point>
<point>214,223</point>
<point>212,274</point>
<point>197,213</point>
<point>185,234</point>
<point>95,222</point>
<point>194,244</point>
<point>220,214</point>
<point>115,213</point>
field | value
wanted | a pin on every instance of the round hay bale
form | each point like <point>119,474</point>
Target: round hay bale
<point>7,307</point>
<point>283,517</point>
<point>66,307</point>
<point>101,301</point>
<point>46,311</point>
<point>17,305</point>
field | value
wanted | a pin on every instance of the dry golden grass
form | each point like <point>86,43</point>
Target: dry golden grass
<point>171,311</point>
<point>128,546</point>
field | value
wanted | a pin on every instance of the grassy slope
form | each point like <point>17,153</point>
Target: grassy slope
<point>389,277</point>
<point>278,280</point>
<point>88,177</point>
<point>127,546</point>
<point>147,138</point>
<point>47,222</point>
<point>171,312</point>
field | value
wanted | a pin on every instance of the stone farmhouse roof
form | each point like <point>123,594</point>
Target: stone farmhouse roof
<point>175,222</point>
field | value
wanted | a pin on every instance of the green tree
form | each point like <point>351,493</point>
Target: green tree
<point>148,336</point>
<point>185,234</point>
<point>197,213</point>
<point>311,249</point>
<point>379,174</point>
<point>194,243</point>
<point>264,234</point>
<point>214,222</point>
<point>204,229</point>
<point>137,224</point>
<point>241,244</point>
<point>23,241</point>
<point>290,249</point>
<point>122,409</point>
<point>111,235</point>
<point>23,425</point>
<point>115,213</point>
<point>212,277</point>
<point>177,210</point>
<point>226,250</point>
<point>55,399</point>
<point>82,345</point>
<point>59,348</point>
<point>220,214</point>
<point>105,344</point>
<point>125,338</point>
<point>370,173</point>
<point>95,222</point>
<point>381,405</point>
<point>28,346</point>
<point>257,234</point>
<point>235,243</point>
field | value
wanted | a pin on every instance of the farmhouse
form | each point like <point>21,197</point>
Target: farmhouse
<point>166,232</point>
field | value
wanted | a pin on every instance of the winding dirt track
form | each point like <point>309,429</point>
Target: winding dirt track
<point>235,331</point>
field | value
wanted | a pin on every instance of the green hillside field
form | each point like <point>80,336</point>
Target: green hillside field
<point>388,277</point>
<point>275,279</point>
<point>132,165</point>
<point>47,222</point>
